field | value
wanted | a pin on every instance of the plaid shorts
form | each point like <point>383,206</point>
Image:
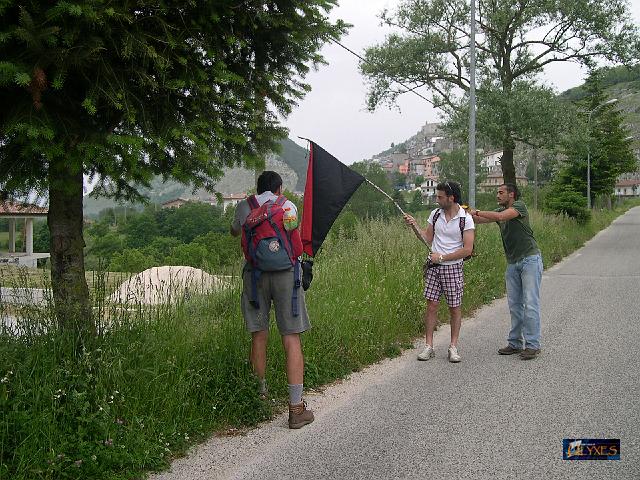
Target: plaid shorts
<point>447,279</point>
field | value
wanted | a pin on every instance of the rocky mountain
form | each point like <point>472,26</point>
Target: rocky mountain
<point>291,163</point>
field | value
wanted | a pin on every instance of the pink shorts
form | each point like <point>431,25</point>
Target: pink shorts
<point>447,279</point>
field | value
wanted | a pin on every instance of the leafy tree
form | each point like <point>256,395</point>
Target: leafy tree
<point>122,92</point>
<point>399,179</point>
<point>140,230</point>
<point>419,180</point>
<point>190,220</point>
<point>455,166</point>
<point>416,202</point>
<point>193,255</point>
<point>161,247</point>
<point>105,246</point>
<point>399,199</point>
<point>516,41</point>
<point>131,260</point>
<point>367,202</point>
<point>40,236</point>
<point>223,245</point>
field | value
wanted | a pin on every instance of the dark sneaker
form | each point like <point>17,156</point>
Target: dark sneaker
<point>509,350</point>
<point>299,416</point>
<point>529,353</point>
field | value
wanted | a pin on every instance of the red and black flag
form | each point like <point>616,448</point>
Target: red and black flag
<point>329,186</point>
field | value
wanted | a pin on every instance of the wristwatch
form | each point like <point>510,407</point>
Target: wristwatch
<point>440,258</point>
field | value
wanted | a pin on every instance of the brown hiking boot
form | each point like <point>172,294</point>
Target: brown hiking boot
<point>529,353</point>
<point>509,350</point>
<point>299,416</point>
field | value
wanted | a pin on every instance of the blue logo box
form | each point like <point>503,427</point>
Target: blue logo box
<point>591,449</point>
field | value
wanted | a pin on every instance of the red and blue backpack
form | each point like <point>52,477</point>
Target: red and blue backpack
<point>268,246</point>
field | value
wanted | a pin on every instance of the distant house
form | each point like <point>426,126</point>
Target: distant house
<point>492,160</point>
<point>175,203</point>
<point>425,166</point>
<point>428,190</point>
<point>495,179</point>
<point>14,212</point>
<point>628,188</point>
<point>232,199</point>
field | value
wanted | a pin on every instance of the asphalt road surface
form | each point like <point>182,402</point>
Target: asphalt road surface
<point>489,417</point>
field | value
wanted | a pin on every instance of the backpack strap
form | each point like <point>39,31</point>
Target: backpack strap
<point>280,201</point>
<point>436,216</point>
<point>253,202</point>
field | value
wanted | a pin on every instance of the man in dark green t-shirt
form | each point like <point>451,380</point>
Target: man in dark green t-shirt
<point>524,270</point>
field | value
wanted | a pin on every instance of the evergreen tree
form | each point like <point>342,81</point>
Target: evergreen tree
<point>605,139</point>
<point>123,91</point>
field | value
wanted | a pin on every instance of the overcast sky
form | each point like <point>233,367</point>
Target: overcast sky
<point>334,115</point>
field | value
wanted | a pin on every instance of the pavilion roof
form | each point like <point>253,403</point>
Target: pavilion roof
<point>19,209</point>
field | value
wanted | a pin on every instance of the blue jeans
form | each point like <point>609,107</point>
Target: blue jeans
<point>523,292</point>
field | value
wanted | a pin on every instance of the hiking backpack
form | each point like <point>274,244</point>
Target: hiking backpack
<point>268,246</point>
<point>463,221</point>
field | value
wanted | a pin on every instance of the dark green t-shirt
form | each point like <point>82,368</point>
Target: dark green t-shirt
<point>517,236</point>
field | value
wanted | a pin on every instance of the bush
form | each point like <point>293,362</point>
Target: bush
<point>566,200</point>
<point>131,260</point>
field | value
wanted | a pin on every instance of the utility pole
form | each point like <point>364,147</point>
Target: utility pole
<point>472,108</point>
<point>535,178</point>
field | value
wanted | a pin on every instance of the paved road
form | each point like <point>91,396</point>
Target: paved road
<point>490,417</point>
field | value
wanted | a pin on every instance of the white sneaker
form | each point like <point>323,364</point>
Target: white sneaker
<point>454,356</point>
<point>427,353</point>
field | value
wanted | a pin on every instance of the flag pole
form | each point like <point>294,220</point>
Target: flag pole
<point>385,194</point>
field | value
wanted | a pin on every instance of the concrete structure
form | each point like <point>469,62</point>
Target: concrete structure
<point>425,166</point>
<point>495,179</point>
<point>175,203</point>
<point>491,160</point>
<point>228,200</point>
<point>628,188</point>
<point>14,212</point>
<point>428,190</point>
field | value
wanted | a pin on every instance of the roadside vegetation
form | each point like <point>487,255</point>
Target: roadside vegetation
<point>157,379</point>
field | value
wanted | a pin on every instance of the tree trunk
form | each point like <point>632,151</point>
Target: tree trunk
<point>508,168</point>
<point>70,291</point>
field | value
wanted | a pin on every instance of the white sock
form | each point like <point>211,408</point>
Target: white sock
<point>295,393</point>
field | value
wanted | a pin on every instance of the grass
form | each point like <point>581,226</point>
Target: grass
<point>159,379</point>
<point>23,277</point>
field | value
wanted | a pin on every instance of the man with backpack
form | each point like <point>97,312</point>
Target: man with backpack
<point>450,233</point>
<point>272,246</point>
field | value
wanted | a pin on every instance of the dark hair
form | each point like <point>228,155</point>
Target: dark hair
<point>512,188</point>
<point>451,189</point>
<point>268,181</point>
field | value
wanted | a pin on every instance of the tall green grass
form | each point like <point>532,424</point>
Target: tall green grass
<point>160,378</point>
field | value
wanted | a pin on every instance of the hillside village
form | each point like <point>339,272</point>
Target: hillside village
<point>417,158</point>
